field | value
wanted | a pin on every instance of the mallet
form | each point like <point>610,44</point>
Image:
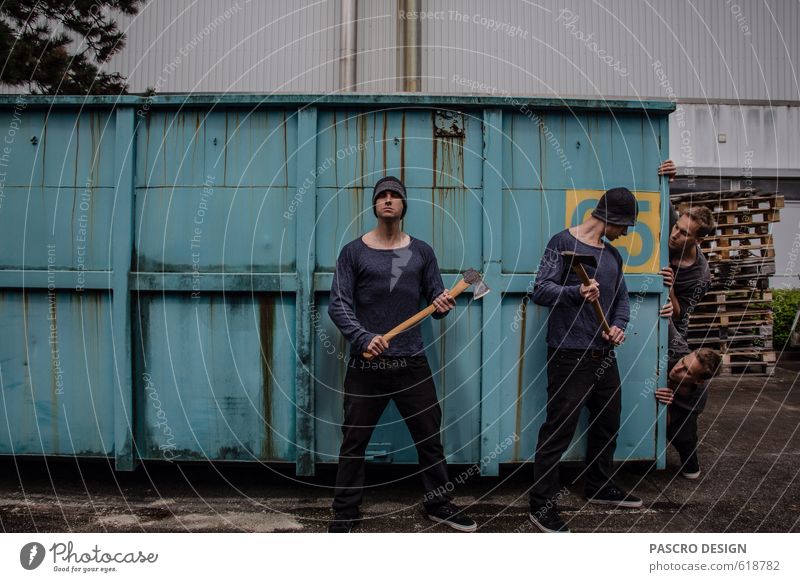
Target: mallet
<point>471,277</point>
<point>576,262</point>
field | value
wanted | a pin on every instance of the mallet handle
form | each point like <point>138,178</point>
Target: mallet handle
<point>601,317</point>
<point>415,319</point>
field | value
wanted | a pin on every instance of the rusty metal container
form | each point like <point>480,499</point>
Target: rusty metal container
<point>166,261</point>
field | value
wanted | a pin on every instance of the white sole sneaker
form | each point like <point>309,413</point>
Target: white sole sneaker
<point>455,526</point>
<point>631,504</point>
<point>694,475</point>
<point>544,529</point>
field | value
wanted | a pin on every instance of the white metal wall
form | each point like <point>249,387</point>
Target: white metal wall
<point>786,235</point>
<point>708,49</point>
<point>736,140</point>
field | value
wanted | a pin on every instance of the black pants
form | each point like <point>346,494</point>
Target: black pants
<point>368,388</point>
<point>682,431</point>
<point>574,379</point>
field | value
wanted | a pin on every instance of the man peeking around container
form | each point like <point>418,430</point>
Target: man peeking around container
<point>380,279</point>
<point>686,394</point>
<point>581,363</point>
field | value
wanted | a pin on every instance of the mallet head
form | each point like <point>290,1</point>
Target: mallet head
<point>572,258</point>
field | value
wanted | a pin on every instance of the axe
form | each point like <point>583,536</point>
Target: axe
<point>471,277</point>
<point>576,262</point>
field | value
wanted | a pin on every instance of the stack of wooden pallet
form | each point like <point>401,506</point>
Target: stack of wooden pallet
<point>735,317</point>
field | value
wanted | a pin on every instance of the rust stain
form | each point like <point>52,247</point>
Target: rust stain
<point>225,146</point>
<point>374,140</point>
<point>460,162</point>
<point>285,147</point>
<point>164,135</point>
<point>541,161</point>
<point>77,149</point>
<point>520,369</point>
<point>55,363</point>
<point>385,129</point>
<point>95,123</point>
<point>403,149</point>
<point>335,149</point>
<point>435,162</point>
<point>43,143</point>
<point>361,125</point>
<point>266,313</point>
<point>357,196</point>
<point>147,149</point>
<point>25,313</point>
<point>513,152</point>
<point>434,169</point>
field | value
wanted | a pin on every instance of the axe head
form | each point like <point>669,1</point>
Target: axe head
<point>571,259</point>
<point>479,288</point>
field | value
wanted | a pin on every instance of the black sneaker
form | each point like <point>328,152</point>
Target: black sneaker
<point>452,516</point>
<point>342,523</point>
<point>616,497</point>
<point>547,520</point>
<point>691,468</point>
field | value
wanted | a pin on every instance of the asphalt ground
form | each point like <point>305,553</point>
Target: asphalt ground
<point>749,455</point>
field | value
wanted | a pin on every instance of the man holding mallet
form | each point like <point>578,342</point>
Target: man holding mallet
<point>580,278</point>
<point>380,279</point>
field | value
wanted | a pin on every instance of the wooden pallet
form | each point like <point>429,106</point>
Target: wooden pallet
<point>733,343</point>
<point>735,317</point>
<point>724,199</point>
<point>739,251</point>
<point>711,195</point>
<point>746,216</point>
<point>749,362</point>
<point>747,271</point>
<point>727,318</point>
<point>756,228</point>
<point>736,298</point>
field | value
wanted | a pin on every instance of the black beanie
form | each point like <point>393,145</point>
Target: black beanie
<point>617,206</point>
<point>391,184</point>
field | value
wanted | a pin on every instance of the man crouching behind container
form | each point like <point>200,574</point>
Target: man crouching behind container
<point>581,364</point>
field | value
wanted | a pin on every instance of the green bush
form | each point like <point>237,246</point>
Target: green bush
<point>785,303</point>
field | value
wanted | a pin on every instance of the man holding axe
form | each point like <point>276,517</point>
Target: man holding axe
<point>580,278</point>
<point>379,282</point>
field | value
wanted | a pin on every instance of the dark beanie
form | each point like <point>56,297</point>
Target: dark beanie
<point>391,184</point>
<point>617,206</point>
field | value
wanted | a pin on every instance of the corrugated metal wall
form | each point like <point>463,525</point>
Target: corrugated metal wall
<point>711,49</point>
<point>708,49</point>
<point>231,45</point>
<point>376,65</point>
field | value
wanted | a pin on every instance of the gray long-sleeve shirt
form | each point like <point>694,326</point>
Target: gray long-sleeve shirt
<point>374,290</point>
<point>572,322</point>
<point>691,285</point>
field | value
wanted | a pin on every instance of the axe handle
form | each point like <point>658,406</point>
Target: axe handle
<point>581,272</point>
<point>415,319</point>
